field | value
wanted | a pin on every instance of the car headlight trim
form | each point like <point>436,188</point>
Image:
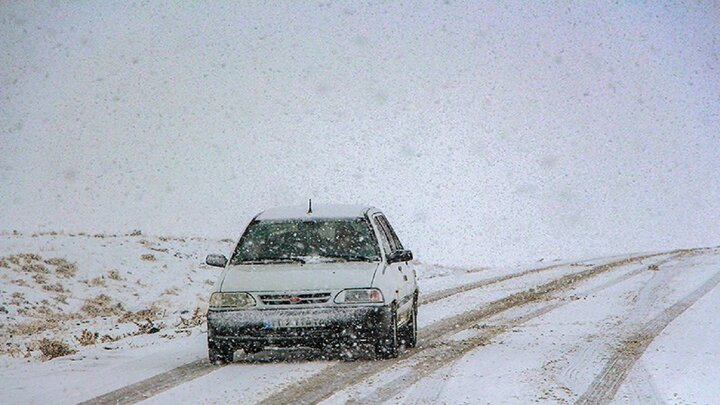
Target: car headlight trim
<point>360,296</point>
<point>231,300</point>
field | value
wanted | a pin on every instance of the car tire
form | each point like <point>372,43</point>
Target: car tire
<point>387,347</point>
<point>219,353</point>
<point>409,335</point>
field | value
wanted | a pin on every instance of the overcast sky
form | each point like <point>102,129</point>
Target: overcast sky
<point>489,133</point>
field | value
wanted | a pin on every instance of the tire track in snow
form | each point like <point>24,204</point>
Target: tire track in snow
<point>643,390</point>
<point>442,294</point>
<point>343,375</point>
<point>452,351</point>
<point>374,397</point>
<point>606,384</point>
<point>144,389</point>
<point>440,354</point>
<point>587,352</point>
<point>149,387</point>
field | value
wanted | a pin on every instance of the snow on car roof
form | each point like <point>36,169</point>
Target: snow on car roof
<point>318,211</point>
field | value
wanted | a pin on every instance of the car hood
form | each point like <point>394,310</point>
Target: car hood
<point>297,277</point>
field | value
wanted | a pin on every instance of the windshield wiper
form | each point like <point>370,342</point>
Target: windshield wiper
<point>353,258</point>
<point>266,260</point>
<point>306,259</point>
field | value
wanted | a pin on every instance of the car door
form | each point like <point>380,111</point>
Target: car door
<point>392,279</point>
<point>406,270</point>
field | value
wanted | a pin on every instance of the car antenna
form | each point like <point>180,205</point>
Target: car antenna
<point>309,206</point>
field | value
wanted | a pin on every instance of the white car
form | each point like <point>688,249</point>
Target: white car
<point>315,277</point>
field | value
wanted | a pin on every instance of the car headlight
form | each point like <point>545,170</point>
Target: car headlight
<point>231,300</point>
<point>359,295</point>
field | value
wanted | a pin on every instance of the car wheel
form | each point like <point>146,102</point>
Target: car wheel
<point>409,336</point>
<point>387,347</point>
<point>219,353</point>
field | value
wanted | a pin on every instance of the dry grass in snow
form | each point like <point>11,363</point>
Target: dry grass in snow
<point>61,293</point>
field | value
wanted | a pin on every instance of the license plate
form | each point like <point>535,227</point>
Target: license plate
<point>293,323</point>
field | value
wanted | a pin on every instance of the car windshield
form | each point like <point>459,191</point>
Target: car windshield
<point>303,241</point>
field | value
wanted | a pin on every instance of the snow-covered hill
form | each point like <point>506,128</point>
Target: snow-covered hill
<point>86,289</point>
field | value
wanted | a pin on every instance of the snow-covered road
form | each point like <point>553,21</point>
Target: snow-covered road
<point>627,329</point>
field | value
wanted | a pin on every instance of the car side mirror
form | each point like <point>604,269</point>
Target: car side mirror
<point>216,260</point>
<point>400,256</point>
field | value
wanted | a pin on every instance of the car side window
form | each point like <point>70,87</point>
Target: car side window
<point>384,238</point>
<point>393,240</point>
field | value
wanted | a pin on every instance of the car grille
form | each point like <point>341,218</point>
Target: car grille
<point>295,299</point>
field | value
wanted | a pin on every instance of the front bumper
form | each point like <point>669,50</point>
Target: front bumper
<point>306,326</point>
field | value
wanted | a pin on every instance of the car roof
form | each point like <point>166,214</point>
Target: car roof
<point>318,211</point>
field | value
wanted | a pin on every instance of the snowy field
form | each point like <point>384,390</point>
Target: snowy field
<point>541,159</point>
<point>637,328</point>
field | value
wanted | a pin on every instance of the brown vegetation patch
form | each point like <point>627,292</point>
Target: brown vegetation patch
<point>108,338</point>
<point>54,348</point>
<point>39,278</point>
<point>57,287</point>
<point>20,282</point>
<point>148,314</point>
<point>38,268</point>
<point>148,327</point>
<point>17,298</point>
<point>114,275</point>
<point>33,327</point>
<point>29,257</point>
<point>61,298</point>
<point>4,263</point>
<point>67,270</point>
<point>101,305</point>
<point>87,338</point>
<point>95,282</point>
<point>171,291</point>
<point>148,257</point>
<point>56,261</point>
<point>43,311</point>
<point>196,319</point>
<point>14,350</point>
